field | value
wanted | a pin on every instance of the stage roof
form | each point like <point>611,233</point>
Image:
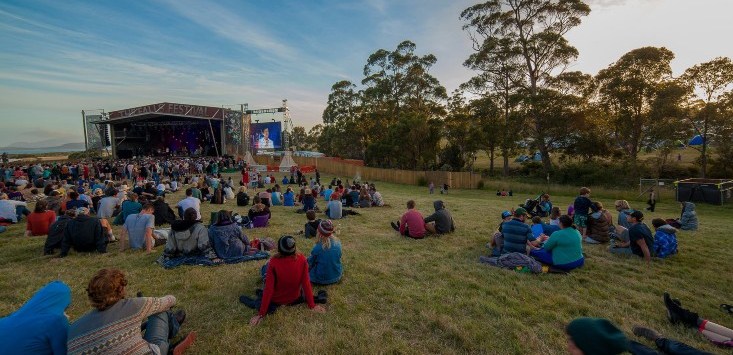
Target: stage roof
<point>164,109</point>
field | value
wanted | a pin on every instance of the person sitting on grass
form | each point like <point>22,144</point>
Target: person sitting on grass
<point>287,283</point>
<point>564,249</point>
<point>189,202</point>
<point>227,237</point>
<point>624,210</point>
<point>334,208</point>
<point>517,234</point>
<point>581,206</point>
<point>411,224</point>
<point>365,200</point>
<point>688,219</point>
<point>39,220</point>
<point>599,225</point>
<point>497,242</point>
<point>242,197</point>
<point>56,232</point>
<point>640,238</point>
<point>440,222</point>
<point>107,205</point>
<point>310,229</point>
<point>555,216</point>
<point>188,237</point>
<point>324,262</point>
<point>276,198</point>
<point>289,198</point>
<point>113,326</point>
<point>40,326</point>
<point>309,202</point>
<point>258,209</point>
<point>75,202</point>
<point>128,207</point>
<point>547,229</point>
<point>12,211</point>
<point>138,230</point>
<point>377,199</point>
<point>544,207</point>
<point>85,234</point>
<point>163,212</point>
<point>665,239</point>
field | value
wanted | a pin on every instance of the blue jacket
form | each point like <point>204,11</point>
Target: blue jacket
<point>325,264</point>
<point>289,199</point>
<point>688,219</point>
<point>228,240</point>
<point>40,326</point>
<point>665,241</point>
<point>516,234</point>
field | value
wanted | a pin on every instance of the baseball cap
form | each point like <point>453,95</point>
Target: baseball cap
<point>520,212</point>
<point>506,214</point>
<point>638,215</point>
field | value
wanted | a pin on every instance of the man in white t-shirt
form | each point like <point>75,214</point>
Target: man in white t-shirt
<point>107,205</point>
<point>190,202</point>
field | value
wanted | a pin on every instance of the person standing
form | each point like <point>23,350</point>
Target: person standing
<point>652,201</point>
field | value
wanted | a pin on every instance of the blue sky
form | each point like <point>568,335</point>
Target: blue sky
<point>60,57</point>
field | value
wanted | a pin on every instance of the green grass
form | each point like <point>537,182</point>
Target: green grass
<point>410,296</point>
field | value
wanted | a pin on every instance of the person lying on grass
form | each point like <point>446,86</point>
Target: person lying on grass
<point>716,333</point>
<point>597,336</point>
<point>324,262</point>
<point>564,249</point>
<point>287,283</point>
<point>40,326</point>
<point>113,326</point>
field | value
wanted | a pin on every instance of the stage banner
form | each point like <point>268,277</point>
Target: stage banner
<point>97,134</point>
<point>235,123</point>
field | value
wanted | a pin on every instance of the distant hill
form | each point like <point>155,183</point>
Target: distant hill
<point>41,147</point>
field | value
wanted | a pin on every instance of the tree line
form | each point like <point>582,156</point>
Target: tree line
<point>523,99</point>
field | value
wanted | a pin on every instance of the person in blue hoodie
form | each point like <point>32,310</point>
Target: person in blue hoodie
<point>324,263</point>
<point>40,325</point>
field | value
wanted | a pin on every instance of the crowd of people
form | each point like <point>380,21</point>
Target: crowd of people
<point>75,205</point>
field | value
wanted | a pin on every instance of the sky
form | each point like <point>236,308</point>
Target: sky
<point>61,57</point>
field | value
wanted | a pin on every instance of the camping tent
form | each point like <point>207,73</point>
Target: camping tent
<point>287,161</point>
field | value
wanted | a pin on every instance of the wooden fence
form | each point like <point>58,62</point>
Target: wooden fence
<point>350,170</point>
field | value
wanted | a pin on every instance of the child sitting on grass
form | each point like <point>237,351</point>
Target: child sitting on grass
<point>291,286</point>
<point>325,259</point>
<point>554,216</point>
<point>581,206</point>
<point>311,227</point>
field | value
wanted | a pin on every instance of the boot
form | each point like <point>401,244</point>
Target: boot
<point>677,314</point>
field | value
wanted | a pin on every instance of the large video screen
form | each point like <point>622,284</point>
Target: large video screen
<point>266,135</point>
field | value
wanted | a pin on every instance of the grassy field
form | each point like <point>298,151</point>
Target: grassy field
<point>410,296</point>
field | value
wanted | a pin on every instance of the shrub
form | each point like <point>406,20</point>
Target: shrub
<point>422,181</point>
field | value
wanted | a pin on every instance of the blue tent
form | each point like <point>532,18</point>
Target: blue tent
<point>537,156</point>
<point>696,140</point>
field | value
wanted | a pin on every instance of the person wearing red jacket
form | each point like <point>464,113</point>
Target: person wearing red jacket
<point>287,283</point>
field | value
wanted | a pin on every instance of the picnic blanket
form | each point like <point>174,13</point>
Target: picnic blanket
<point>512,261</point>
<point>204,261</point>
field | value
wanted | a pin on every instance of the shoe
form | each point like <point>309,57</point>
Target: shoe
<point>677,314</point>
<point>180,316</point>
<point>259,292</point>
<point>648,333</point>
<point>180,347</point>
<point>395,226</point>
<point>139,294</point>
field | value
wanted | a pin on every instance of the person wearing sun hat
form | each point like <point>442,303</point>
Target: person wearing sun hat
<point>595,336</point>
<point>287,283</point>
<point>325,259</point>
<point>517,233</point>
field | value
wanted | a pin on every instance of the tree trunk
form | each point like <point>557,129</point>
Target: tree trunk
<point>704,157</point>
<point>491,160</point>
<point>505,155</point>
<point>542,146</point>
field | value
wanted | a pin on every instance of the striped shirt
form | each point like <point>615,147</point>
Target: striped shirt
<point>116,330</point>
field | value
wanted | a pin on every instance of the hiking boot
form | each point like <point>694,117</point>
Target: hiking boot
<point>677,314</point>
<point>180,347</point>
<point>248,301</point>
<point>648,333</point>
<point>395,226</point>
<point>321,297</point>
<point>180,316</point>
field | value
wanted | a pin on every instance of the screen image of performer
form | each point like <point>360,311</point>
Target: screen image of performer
<point>265,142</point>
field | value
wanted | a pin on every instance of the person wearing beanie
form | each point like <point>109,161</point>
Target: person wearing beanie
<point>324,262</point>
<point>290,287</point>
<point>595,336</point>
<point>640,238</point>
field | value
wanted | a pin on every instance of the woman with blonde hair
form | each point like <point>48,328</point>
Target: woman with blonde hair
<point>325,259</point>
<point>624,210</point>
